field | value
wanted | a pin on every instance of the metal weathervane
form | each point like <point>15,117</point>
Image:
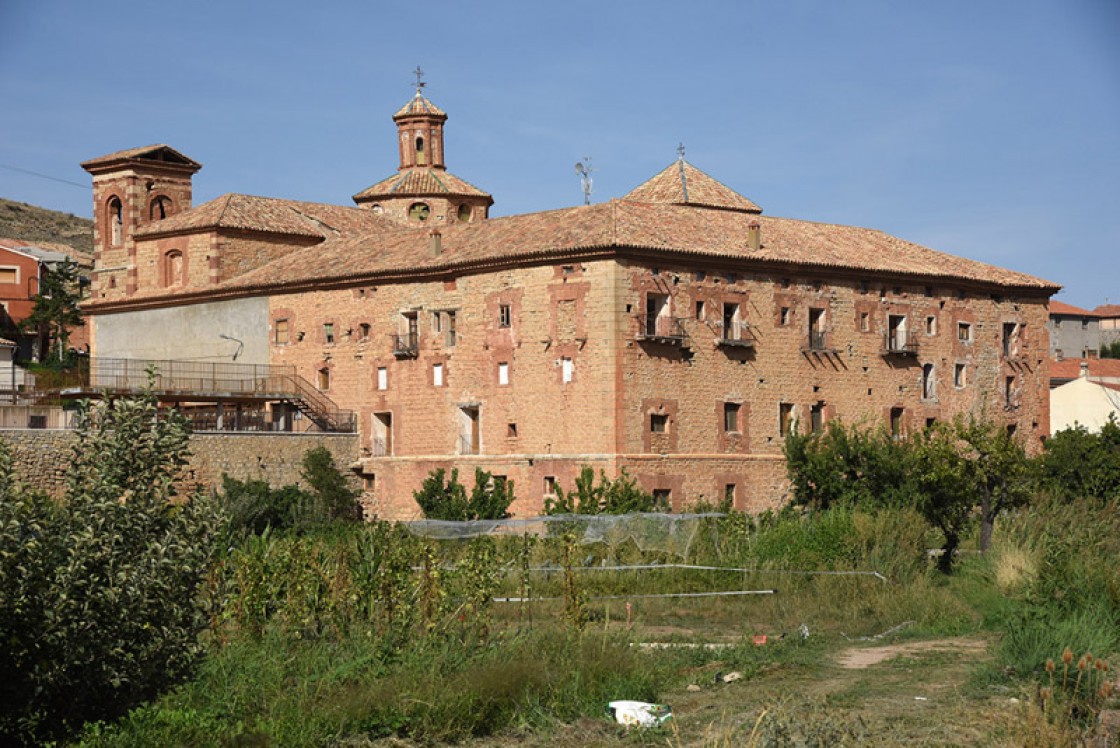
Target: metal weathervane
<point>419,79</point>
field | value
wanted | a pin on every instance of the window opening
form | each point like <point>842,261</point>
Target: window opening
<point>328,332</point>
<point>784,315</point>
<point>160,208</point>
<point>324,379</point>
<point>864,322</point>
<point>896,332</point>
<point>931,325</point>
<point>785,419</point>
<point>732,324</point>
<point>511,430</point>
<point>450,331</point>
<point>700,310</point>
<point>662,499</point>
<point>896,421</point>
<point>729,494</point>
<point>657,314</point>
<point>816,417</point>
<point>504,315</point>
<point>964,332</point>
<point>658,423</point>
<point>731,417</point>
<point>1009,391</point>
<point>382,442</point>
<point>816,329</point>
<point>363,328</point>
<point>503,373</point>
<point>116,222</point>
<point>959,375</point>
<point>437,375</point>
<point>464,213</point>
<point>280,332</point>
<point>421,157</point>
<point>1010,339</point>
<point>469,432</point>
<point>550,485</point>
<point>567,369</point>
<point>419,212</point>
<point>928,382</point>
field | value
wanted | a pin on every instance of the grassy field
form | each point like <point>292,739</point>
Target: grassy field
<point>369,636</point>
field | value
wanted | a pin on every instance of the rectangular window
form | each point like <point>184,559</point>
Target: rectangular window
<point>324,379</point>
<point>9,275</point>
<point>511,430</point>
<point>662,499</point>
<point>896,421</point>
<point>328,333</point>
<point>1010,339</point>
<point>931,325</point>
<point>700,310</point>
<point>450,330</point>
<point>784,316</point>
<point>658,423</point>
<point>928,382</point>
<point>816,329</point>
<point>437,375</point>
<point>657,320</point>
<point>280,332</point>
<point>550,485</point>
<point>503,373</point>
<point>864,322</point>
<point>731,417</point>
<point>363,330</point>
<point>1009,391</point>
<point>964,332</point>
<point>567,370</point>
<point>959,375</point>
<point>469,432</point>
<point>896,332</point>
<point>729,494</point>
<point>785,419</point>
<point>382,441</point>
<point>731,322</point>
<point>816,417</point>
<point>382,378</point>
<point>503,315</point>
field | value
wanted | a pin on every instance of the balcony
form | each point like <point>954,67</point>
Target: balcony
<point>661,329</point>
<point>899,345</point>
<point>736,336</point>
<point>817,342</point>
<point>407,345</point>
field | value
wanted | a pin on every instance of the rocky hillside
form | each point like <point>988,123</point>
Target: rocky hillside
<point>46,228</point>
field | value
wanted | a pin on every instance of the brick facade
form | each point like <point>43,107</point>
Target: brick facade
<point>671,333</point>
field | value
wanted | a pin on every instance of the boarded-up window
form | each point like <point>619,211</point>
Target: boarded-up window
<point>566,319</point>
<point>281,332</point>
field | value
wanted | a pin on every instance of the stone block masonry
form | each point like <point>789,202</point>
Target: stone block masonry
<point>40,456</point>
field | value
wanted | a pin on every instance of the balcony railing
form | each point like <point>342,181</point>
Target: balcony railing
<point>737,336</point>
<point>407,345</point>
<point>661,329</point>
<point>899,345</point>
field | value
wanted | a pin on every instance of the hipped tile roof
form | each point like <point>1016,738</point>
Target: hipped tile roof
<point>622,225</point>
<point>157,152</point>
<point>681,183</point>
<point>270,215</point>
<point>1108,310</point>
<point>418,104</point>
<point>1069,310</point>
<point>422,182</point>
<point>1070,368</point>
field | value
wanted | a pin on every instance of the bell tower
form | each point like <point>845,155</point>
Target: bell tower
<point>420,131</point>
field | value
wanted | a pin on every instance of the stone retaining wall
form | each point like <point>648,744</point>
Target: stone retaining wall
<point>40,456</point>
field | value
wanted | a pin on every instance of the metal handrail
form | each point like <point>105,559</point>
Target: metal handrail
<point>659,327</point>
<point>817,341</point>
<point>407,344</point>
<point>737,334</point>
<point>900,345</point>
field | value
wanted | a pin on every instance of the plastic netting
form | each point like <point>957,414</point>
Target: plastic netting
<point>654,532</point>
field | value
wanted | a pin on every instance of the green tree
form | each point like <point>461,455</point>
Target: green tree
<point>943,482</point>
<point>334,498</point>
<point>55,310</point>
<point>99,606</point>
<point>999,470</point>
<point>622,495</point>
<point>1080,464</point>
<point>1111,350</point>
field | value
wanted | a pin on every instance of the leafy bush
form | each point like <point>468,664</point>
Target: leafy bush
<point>98,595</point>
<point>448,500</point>
<point>1080,464</point>
<point>622,495</point>
<point>334,499</point>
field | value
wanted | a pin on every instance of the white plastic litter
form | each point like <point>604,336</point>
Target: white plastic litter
<point>639,713</point>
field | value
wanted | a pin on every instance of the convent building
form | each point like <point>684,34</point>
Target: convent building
<point>676,333</point>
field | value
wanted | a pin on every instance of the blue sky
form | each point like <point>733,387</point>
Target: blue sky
<point>984,129</point>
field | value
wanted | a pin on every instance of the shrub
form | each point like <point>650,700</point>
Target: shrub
<point>254,506</point>
<point>622,495</point>
<point>334,499</point>
<point>98,594</point>
<point>1080,464</point>
<point>448,500</point>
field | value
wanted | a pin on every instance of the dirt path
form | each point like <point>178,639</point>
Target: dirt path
<point>858,658</point>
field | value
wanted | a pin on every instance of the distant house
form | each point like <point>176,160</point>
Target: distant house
<point>1100,370</point>
<point>22,267</point>
<point>1074,332</point>
<point>1109,320</point>
<point>1083,402</point>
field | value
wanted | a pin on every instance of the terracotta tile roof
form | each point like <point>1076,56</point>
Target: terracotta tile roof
<point>1070,368</point>
<point>271,215</point>
<point>5,343</point>
<point>421,181</point>
<point>419,105</point>
<point>624,225</point>
<point>1069,310</point>
<point>158,152</point>
<point>1108,310</point>
<point>681,183</point>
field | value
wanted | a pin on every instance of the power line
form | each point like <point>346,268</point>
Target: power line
<point>45,176</point>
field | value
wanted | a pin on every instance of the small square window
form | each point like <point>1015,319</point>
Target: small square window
<point>662,499</point>
<point>964,332</point>
<point>511,430</point>
<point>658,423</point>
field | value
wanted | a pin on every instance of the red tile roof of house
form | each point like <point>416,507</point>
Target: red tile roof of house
<point>681,183</point>
<point>1108,310</point>
<point>1069,310</point>
<point>271,215</point>
<point>422,182</point>
<point>1070,368</point>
